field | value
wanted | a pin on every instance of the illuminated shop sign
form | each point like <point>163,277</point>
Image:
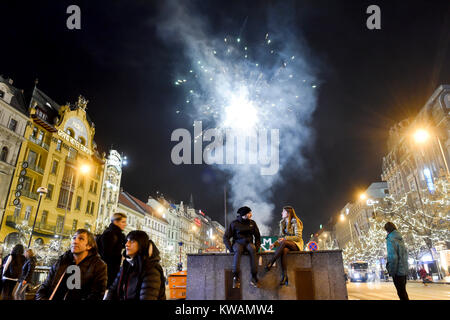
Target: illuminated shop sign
<point>74,142</point>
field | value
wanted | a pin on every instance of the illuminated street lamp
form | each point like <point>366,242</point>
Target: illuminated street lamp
<point>41,191</point>
<point>421,136</point>
<point>363,196</point>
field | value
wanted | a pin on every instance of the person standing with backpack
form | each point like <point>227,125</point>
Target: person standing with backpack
<point>111,244</point>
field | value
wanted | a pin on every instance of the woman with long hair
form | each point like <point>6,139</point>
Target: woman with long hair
<point>291,228</point>
<point>12,270</point>
<point>141,277</point>
<point>27,274</point>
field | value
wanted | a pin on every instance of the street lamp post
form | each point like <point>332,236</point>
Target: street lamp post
<point>41,191</point>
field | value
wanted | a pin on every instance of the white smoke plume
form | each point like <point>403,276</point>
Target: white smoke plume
<point>273,84</point>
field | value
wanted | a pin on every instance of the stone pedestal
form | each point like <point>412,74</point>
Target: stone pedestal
<point>317,275</point>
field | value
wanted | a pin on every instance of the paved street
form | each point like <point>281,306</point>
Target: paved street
<point>386,291</point>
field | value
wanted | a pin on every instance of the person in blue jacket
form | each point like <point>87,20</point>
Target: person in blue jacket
<point>397,259</point>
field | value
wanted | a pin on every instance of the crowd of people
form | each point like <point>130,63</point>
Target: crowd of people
<point>107,267</point>
<point>112,266</point>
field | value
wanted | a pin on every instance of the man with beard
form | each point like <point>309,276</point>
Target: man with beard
<point>79,274</point>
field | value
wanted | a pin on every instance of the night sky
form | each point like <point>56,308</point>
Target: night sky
<point>367,81</point>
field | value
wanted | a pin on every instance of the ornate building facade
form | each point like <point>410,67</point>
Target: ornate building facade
<point>59,153</point>
<point>13,121</point>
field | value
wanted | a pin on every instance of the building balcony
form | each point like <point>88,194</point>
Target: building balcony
<point>30,195</point>
<point>40,229</point>
<point>35,168</point>
<point>71,160</point>
<point>40,143</point>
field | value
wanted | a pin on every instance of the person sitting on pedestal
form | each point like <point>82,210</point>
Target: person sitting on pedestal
<point>246,236</point>
<point>291,229</point>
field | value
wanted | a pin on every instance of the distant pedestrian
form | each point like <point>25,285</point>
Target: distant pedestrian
<point>291,228</point>
<point>246,237</point>
<point>424,276</point>
<point>25,277</point>
<point>12,270</point>
<point>111,243</point>
<point>397,259</point>
<point>141,277</point>
<point>92,272</point>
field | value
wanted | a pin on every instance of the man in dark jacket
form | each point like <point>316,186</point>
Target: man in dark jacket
<point>141,276</point>
<point>246,237</point>
<point>111,245</point>
<point>397,259</point>
<point>64,282</point>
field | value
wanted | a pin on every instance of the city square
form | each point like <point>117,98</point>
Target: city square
<point>225,150</point>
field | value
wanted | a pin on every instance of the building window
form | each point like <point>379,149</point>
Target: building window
<point>4,154</point>
<point>78,203</point>
<point>58,145</point>
<point>82,141</point>
<point>74,225</point>
<point>28,212</point>
<point>2,94</point>
<point>44,218</point>
<point>17,211</point>
<point>88,206</point>
<point>65,199</point>
<point>92,208</point>
<point>12,125</point>
<point>70,132</point>
<point>50,192</point>
<point>59,224</point>
<point>55,167</point>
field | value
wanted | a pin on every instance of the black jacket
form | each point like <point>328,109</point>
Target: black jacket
<point>112,244</point>
<point>139,279</point>
<point>28,269</point>
<point>243,231</point>
<point>15,267</point>
<point>93,278</point>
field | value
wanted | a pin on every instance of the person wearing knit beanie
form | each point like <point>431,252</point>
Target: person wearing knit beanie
<point>246,237</point>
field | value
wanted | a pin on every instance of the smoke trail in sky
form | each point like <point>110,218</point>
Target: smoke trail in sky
<point>233,83</point>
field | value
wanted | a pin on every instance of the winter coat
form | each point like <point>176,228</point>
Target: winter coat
<point>423,274</point>
<point>397,255</point>
<point>294,233</point>
<point>28,269</point>
<point>141,278</point>
<point>112,244</point>
<point>93,278</point>
<point>14,269</point>
<point>243,231</point>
